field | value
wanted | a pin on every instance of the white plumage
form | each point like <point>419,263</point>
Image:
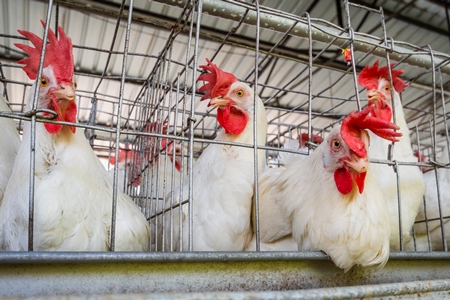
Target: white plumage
<point>73,191</point>
<point>9,146</point>
<point>286,243</point>
<point>412,187</point>
<point>298,145</point>
<point>432,209</point>
<point>303,200</point>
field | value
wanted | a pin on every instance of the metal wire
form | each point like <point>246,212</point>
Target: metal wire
<point>34,106</point>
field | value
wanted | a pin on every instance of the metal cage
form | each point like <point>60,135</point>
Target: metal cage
<point>137,62</point>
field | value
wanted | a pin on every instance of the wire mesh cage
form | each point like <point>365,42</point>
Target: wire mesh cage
<point>137,93</point>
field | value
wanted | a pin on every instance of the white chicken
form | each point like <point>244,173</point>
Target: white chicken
<point>433,212</point>
<point>329,200</point>
<point>162,161</point>
<point>134,165</point>
<point>8,147</point>
<point>412,186</point>
<point>223,176</point>
<point>73,191</point>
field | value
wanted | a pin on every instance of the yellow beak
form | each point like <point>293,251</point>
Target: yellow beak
<point>66,92</point>
<point>359,164</point>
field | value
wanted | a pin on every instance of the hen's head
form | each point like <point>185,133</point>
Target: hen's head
<point>346,148</point>
<point>376,81</point>
<point>234,99</point>
<point>303,138</point>
<point>56,90</point>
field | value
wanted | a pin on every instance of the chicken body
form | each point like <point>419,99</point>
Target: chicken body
<point>8,150</point>
<point>412,186</point>
<point>433,211</point>
<point>8,147</point>
<point>160,176</point>
<point>384,99</point>
<point>306,200</point>
<point>73,191</point>
<point>223,179</point>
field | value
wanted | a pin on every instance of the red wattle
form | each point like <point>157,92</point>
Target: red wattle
<point>232,119</point>
<point>343,180</point>
<point>382,110</point>
<point>69,116</point>
<point>53,128</point>
<point>177,165</point>
<point>359,179</point>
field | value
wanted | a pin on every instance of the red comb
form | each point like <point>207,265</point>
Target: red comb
<point>369,76</point>
<point>123,155</point>
<point>218,81</point>
<point>58,54</point>
<point>355,122</point>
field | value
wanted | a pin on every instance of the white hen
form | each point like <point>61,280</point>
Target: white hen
<point>223,176</point>
<point>412,186</point>
<point>329,200</point>
<point>73,191</point>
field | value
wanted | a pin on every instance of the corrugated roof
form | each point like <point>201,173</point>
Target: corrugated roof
<point>160,59</point>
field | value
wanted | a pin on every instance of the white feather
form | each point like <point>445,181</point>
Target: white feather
<point>285,158</point>
<point>286,243</point>
<point>303,201</point>
<point>433,211</point>
<point>412,186</point>
<point>9,146</point>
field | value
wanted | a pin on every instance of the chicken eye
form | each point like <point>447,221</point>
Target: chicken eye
<point>75,85</point>
<point>239,93</point>
<point>387,88</point>
<point>336,144</point>
<point>43,82</point>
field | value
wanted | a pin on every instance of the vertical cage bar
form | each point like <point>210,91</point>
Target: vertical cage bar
<point>33,132</point>
<point>119,116</point>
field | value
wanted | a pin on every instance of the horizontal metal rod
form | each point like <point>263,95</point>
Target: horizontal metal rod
<point>91,257</point>
<point>320,33</point>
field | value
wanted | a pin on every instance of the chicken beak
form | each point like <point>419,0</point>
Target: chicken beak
<point>219,101</point>
<point>359,164</point>
<point>62,102</point>
<point>65,92</point>
<point>373,95</point>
